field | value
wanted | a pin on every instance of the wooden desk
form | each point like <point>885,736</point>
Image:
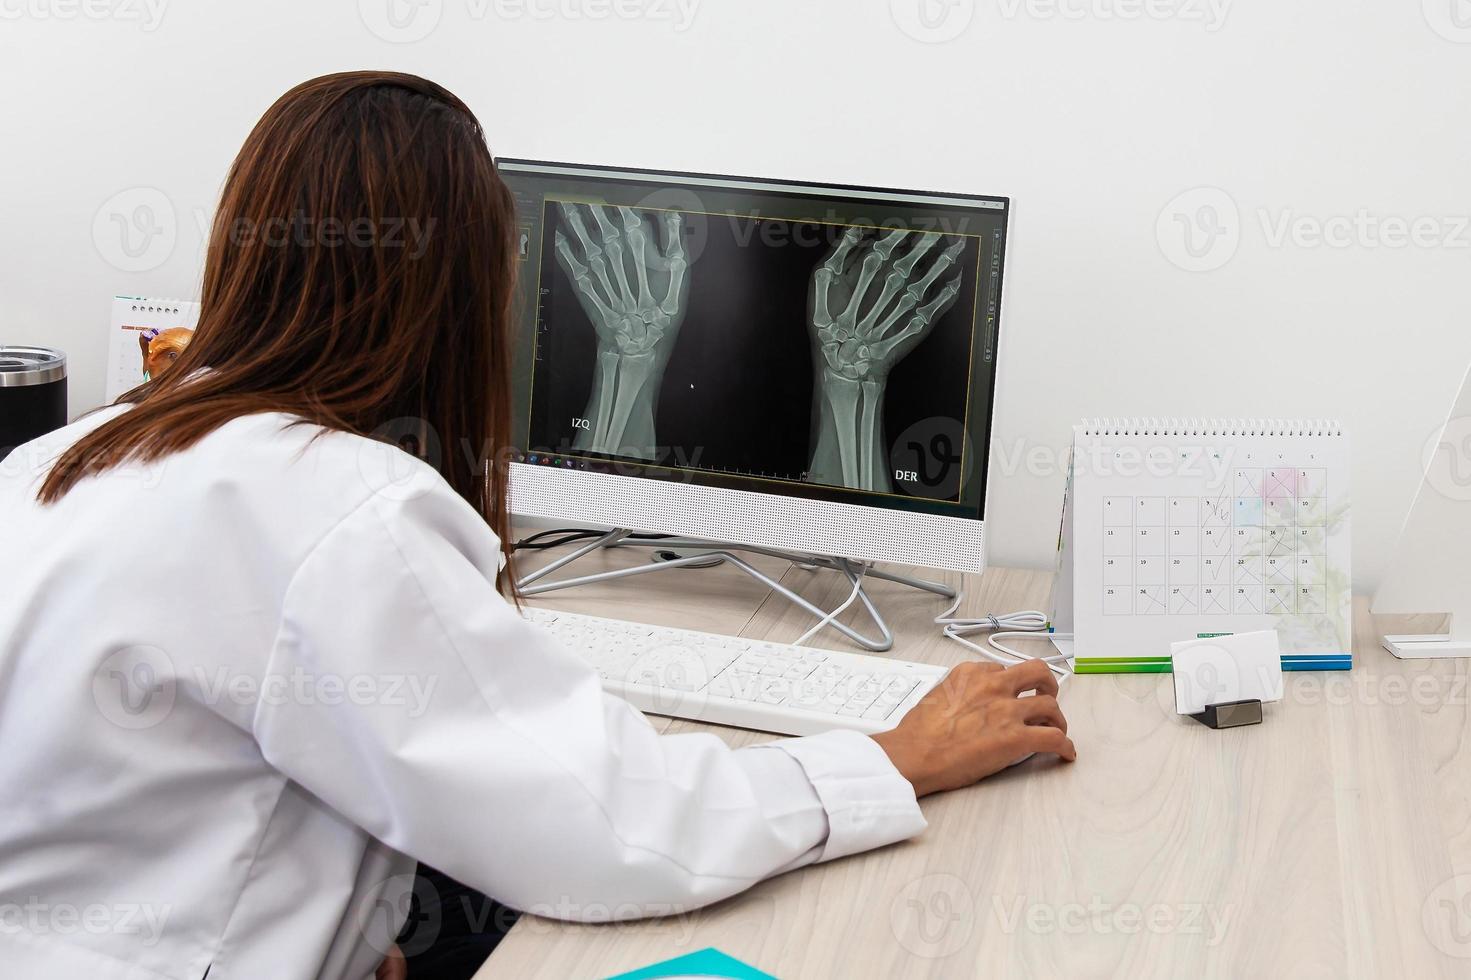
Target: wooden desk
<point>1334,840</point>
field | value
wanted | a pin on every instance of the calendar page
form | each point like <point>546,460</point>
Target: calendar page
<point>136,318</point>
<point>1185,529</point>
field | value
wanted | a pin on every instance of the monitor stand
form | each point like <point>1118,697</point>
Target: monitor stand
<point>1426,646</point>
<point>705,554</point>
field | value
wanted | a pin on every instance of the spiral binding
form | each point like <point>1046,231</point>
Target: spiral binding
<point>1175,426</point>
<point>157,304</point>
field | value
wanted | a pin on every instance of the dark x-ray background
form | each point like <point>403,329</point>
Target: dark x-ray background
<point>737,394</point>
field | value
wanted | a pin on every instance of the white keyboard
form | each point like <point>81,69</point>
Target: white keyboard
<point>727,680</point>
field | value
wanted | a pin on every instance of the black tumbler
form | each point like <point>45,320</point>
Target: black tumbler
<point>32,394</point>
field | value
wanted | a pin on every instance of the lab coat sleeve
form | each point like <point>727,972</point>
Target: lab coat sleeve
<point>429,713</point>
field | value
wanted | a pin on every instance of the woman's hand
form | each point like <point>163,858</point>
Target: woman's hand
<point>975,723</point>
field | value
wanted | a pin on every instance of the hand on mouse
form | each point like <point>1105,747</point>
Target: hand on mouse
<point>976,723</point>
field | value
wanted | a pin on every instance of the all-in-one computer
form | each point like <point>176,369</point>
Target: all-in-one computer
<point>793,368</point>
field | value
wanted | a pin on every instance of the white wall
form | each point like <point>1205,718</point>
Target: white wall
<point>1092,114</point>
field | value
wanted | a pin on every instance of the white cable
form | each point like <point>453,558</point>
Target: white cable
<point>852,596</point>
<point>1026,623</point>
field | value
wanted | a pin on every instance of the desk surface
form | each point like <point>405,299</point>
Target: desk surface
<point>1333,840</point>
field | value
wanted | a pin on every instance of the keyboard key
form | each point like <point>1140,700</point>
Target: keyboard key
<point>773,690</point>
<point>880,711</point>
<point>835,701</point>
<point>828,674</point>
<point>807,695</point>
<point>743,686</point>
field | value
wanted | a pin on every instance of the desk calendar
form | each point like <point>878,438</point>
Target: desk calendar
<point>1175,529</point>
<point>134,317</point>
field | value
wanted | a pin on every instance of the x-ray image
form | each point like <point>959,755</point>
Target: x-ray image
<point>873,300</point>
<point>763,348</point>
<point>633,289</point>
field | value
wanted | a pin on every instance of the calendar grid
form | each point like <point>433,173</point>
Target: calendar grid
<point>1257,545</point>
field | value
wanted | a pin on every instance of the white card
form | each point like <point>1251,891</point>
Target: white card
<point>1219,669</point>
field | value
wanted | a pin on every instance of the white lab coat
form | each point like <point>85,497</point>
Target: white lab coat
<point>244,689</point>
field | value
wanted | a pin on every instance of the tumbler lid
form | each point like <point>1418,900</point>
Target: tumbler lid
<point>22,366</point>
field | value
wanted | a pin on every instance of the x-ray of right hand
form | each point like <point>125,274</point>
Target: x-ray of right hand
<point>869,305</point>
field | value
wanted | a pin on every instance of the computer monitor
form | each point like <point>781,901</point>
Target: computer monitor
<point>1429,572</point>
<point>789,365</point>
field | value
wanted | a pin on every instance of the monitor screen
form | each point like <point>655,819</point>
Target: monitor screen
<point>823,342</point>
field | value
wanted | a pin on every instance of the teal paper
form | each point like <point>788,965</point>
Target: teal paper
<point>704,963</point>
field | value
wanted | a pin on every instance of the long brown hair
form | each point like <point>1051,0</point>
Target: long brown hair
<point>359,273</point>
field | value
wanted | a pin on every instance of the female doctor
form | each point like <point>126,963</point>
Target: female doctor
<point>255,663</point>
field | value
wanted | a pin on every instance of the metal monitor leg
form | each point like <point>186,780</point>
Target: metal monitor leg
<point>709,553</point>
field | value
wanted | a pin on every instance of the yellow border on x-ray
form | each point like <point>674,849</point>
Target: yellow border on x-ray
<point>969,378</point>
